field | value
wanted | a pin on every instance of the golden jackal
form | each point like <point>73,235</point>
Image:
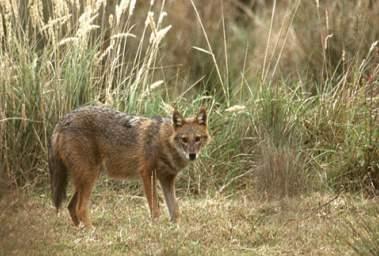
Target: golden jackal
<point>91,139</point>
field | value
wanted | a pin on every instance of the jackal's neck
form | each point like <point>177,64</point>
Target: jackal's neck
<point>178,157</point>
<point>172,156</point>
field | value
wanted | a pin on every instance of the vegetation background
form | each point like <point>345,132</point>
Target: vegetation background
<point>292,89</point>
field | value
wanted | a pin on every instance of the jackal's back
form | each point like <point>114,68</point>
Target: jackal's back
<point>116,127</point>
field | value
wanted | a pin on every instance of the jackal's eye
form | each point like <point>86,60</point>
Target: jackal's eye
<point>197,138</point>
<point>184,139</point>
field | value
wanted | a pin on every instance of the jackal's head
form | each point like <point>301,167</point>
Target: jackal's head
<point>190,134</point>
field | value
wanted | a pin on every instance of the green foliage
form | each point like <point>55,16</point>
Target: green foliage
<point>286,113</point>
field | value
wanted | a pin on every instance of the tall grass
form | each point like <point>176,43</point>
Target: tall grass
<point>292,96</point>
<point>73,68</point>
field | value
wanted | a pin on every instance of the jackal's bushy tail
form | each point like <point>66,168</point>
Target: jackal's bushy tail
<point>58,177</point>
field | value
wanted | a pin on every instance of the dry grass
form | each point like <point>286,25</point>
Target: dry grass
<point>312,225</point>
<point>291,92</point>
<point>281,172</point>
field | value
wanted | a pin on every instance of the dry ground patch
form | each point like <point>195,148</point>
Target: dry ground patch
<point>218,225</point>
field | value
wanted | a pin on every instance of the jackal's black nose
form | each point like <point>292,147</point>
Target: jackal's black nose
<point>192,156</point>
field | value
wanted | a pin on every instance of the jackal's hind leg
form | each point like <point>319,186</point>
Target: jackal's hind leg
<point>72,209</point>
<point>84,181</point>
<point>84,193</point>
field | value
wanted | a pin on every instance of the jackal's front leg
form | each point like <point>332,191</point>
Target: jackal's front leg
<point>149,180</point>
<point>168,187</point>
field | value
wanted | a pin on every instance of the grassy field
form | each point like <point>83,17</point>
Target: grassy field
<point>292,92</point>
<point>210,225</point>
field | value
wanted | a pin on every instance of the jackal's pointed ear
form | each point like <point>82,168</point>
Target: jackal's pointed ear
<point>201,117</point>
<point>177,119</point>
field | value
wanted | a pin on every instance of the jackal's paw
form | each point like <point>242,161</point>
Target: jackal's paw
<point>87,226</point>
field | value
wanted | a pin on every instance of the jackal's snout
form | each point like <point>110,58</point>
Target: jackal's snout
<point>192,156</point>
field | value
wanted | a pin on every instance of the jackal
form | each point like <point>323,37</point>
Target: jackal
<point>93,139</point>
